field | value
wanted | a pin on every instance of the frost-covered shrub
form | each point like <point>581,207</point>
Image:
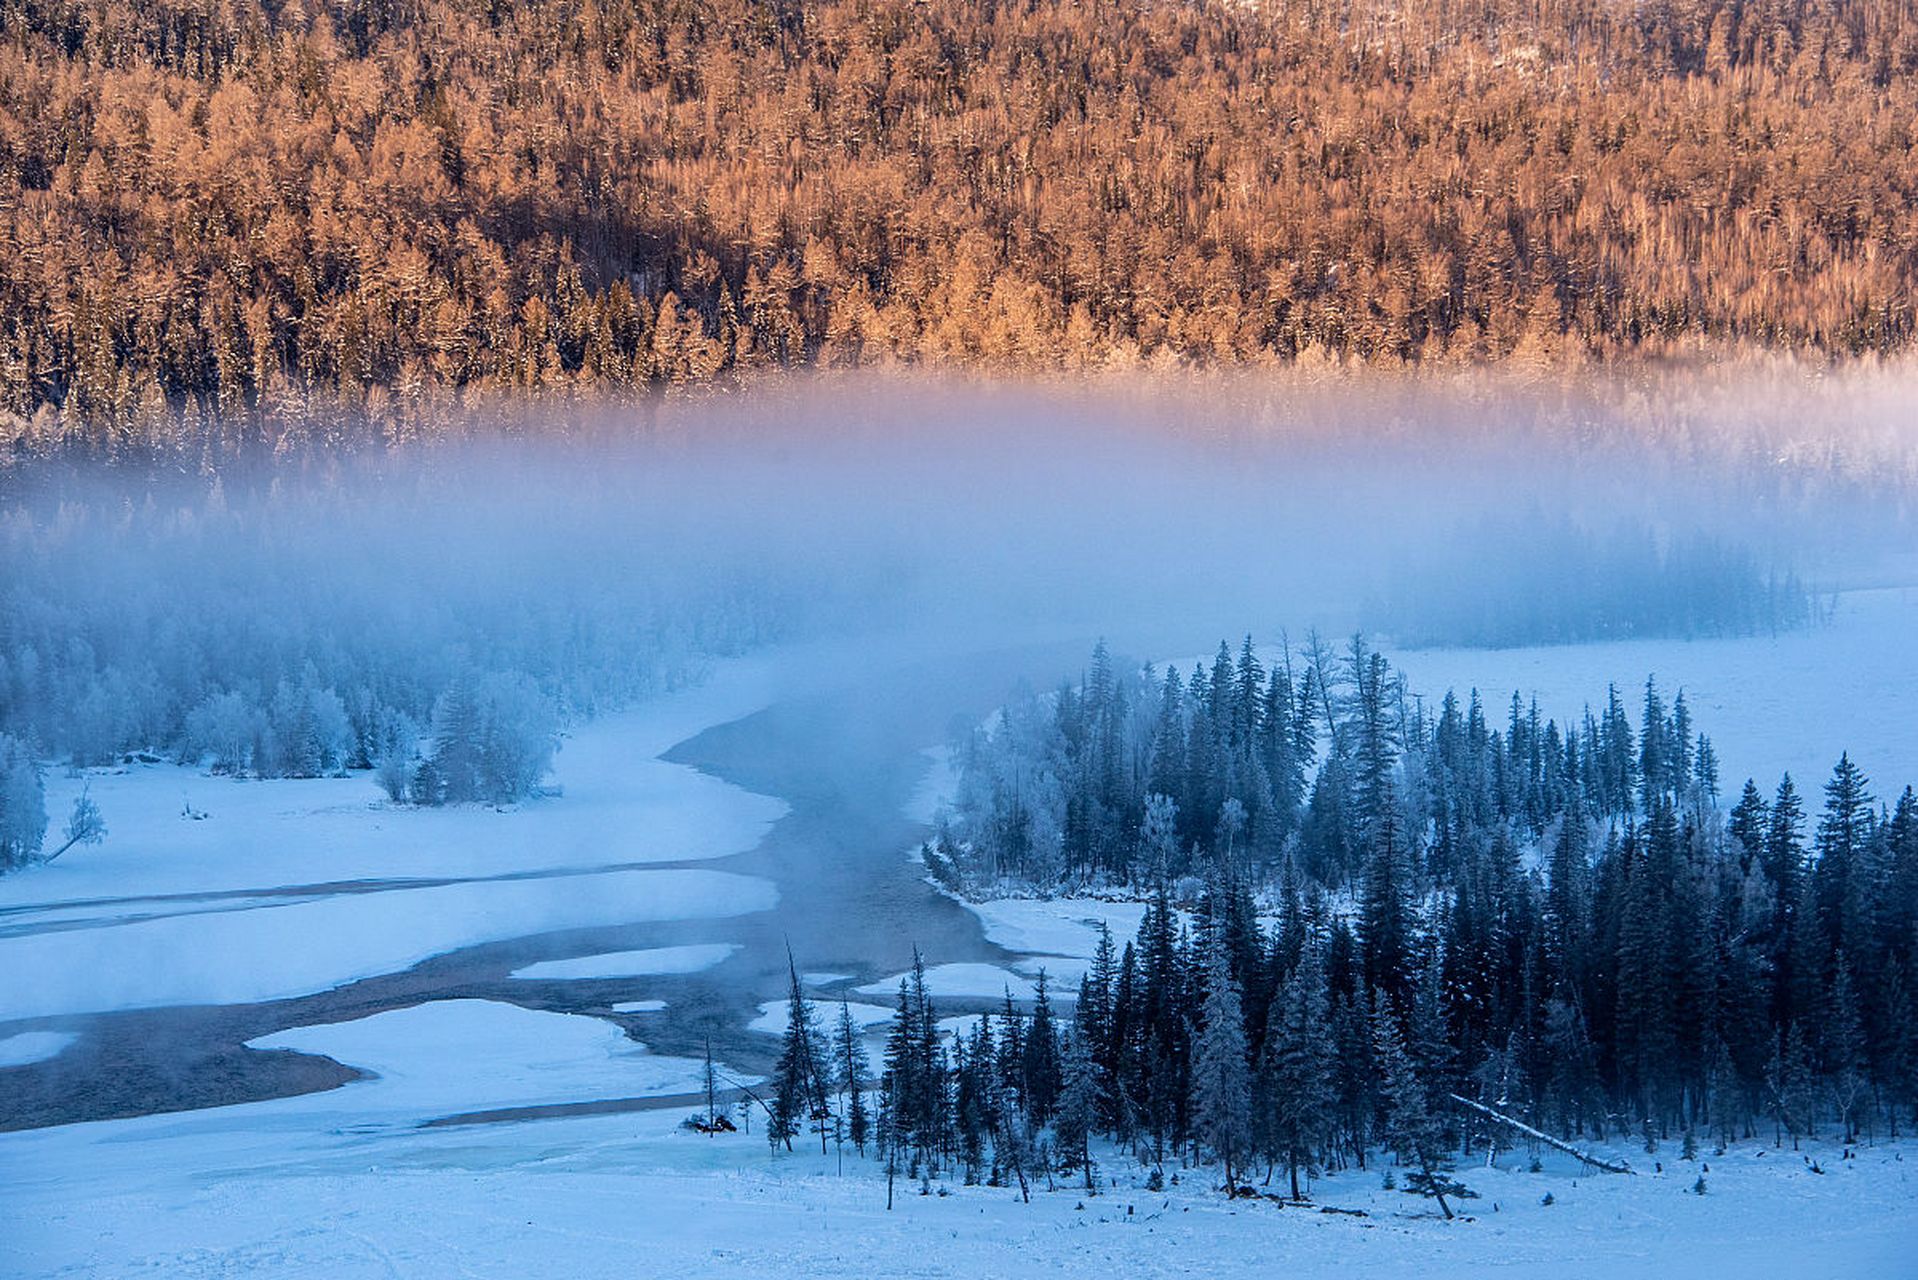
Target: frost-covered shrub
<point>493,741</point>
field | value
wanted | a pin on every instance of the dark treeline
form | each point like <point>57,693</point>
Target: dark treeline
<point>1504,582</point>
<point>1361,910</point>
<point>230,221</point>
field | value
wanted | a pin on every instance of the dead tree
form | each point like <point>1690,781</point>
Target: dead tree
<point>1538,1135</point>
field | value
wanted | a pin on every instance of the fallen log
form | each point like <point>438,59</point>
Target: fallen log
<point>1557,1144</point>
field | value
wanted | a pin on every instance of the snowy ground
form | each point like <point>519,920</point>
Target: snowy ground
<point>619,1196</point>
<point>619,805</point>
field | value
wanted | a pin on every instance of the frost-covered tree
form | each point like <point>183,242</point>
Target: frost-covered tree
<point>1078,1114</point>
<point>458,742</point>
<point>223,728</point>
<point>493,740</point>
<point>84,825</point>
<point>23,806</point>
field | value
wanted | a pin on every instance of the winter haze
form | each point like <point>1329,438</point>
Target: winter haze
<point>815,828</point>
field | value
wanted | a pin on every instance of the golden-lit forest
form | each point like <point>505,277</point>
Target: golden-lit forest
<point>222,221</point>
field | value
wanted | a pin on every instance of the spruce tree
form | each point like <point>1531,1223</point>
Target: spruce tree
<point>1844,878</point>
<point>1221,1082</point>
<point>1411,1130</point>
<point>1385,908</point>
<point>457,745</point>
<point>1079,1102</point>
<point>1748,823</point>
<point>854,1080</point>
<point>1299,1061</point>
<point>798,1088</point>
<point>1041,1057</point>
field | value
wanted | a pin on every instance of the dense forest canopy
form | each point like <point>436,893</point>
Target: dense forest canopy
<point>229,222</point>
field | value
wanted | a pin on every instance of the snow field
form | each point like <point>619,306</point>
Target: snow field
<point>624,1195</point>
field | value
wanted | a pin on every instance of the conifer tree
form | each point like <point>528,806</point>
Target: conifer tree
<point>457,746</point>
<point>1221,1082</point>
<point>798,1086</point>
<point>1411,1131</point>
<point>1385,910</point>
<point>1844,878</point>
<point>1079,1104</point>
<point>1748,823</point>
<point>1299,1060</point>
<point>1040,1065</point>
<point>853,1079</point>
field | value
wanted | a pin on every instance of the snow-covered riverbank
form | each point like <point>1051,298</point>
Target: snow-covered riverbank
<point>288,887</point>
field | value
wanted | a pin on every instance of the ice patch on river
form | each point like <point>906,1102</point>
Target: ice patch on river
<point>1057,926</point>
<point>960,982</point>
<point>633,964</point>
<point>453,1056</point>
<point>34,1046</point>
<point>773,1016</point>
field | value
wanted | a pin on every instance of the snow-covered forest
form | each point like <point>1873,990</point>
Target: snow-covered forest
<point>420,621</point>
<point>1397,904</point>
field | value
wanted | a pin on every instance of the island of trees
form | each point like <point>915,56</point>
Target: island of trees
<point>1375,925</point>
